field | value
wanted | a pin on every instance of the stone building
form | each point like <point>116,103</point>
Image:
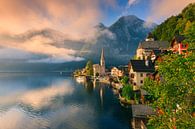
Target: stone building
<point>100,69</point>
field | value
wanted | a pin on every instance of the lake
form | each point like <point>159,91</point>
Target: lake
<point>51,101</point>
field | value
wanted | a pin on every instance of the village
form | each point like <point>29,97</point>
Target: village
<point>129,80</point>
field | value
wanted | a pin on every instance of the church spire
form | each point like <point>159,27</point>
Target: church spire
<point>102,60</point>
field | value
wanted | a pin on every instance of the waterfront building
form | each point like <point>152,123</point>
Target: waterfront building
<point>139,70</point>
<point>146,47</point>
<point>140,116</point>
<point>115,72</point>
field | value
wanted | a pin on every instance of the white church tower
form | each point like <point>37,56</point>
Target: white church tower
<point>102,63</point>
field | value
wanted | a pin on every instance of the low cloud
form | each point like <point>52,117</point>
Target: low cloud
<point>131,2</point>
<point>72,17</point>
<point>162,9</point>
<point>36,49</point>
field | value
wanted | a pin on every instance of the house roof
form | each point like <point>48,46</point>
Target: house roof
<point>154,45</point>
<point>142,111</point>
<point>179,38</point>
<point>141,66</point>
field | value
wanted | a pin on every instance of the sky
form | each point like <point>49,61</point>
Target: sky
<point>74,18</point>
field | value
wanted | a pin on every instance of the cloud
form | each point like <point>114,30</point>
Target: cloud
<point>131,2</point>
<point>72,17</point>
<point>162,9</point>
<point>35,49</point>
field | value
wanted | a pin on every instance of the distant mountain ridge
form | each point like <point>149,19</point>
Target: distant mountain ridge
<point>121,39</point>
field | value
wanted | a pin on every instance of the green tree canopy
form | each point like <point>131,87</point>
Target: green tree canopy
<point>174,94</point>
<point>177,25</point>
<point>127,92</point>
<point>89,68</point>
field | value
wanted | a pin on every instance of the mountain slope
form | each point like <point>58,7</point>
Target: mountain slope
<point>182,24</point>
<point>120,40</point>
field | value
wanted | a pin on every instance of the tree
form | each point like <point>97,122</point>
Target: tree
<point>125,80</point>
<point>174,94</point>
<point>176,25</point>
<point>89,68</point>
<point>127,92</point>
<point>190,35</point>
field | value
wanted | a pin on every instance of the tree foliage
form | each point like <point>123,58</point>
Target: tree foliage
<point>181,24</point>
<point>124,80</point>
<point>174,94</point>
<point>89,68</point>
<point>127,92</point>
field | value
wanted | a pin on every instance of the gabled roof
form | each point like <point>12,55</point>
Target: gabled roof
<point>141,66</point>
<point>154,45</point>
<point>142,111</point>
<point>179,38</point>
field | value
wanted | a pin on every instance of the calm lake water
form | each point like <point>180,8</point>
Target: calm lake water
<point>42,101</point>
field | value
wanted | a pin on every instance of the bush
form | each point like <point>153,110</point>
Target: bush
<point>127,92</point>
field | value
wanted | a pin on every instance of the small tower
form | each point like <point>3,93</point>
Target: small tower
<point>149,37</point>
<point>102,63</point>
<point>102,59</point>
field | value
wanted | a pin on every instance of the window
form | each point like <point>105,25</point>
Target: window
<point>141,81</point>
<point>132,75</point>
<point>141,75</point>
<point>183,45</point>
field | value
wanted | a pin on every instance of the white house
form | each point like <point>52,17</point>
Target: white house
<point>139,70</point>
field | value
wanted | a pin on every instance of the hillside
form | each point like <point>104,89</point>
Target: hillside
<point>182,24</point>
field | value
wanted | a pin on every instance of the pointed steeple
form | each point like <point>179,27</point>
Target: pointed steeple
<point>102,60</point>
<point>139,46</point>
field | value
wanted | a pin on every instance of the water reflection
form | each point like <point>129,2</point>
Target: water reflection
<point>39,97</point>
<point>101,96</point>
<point>57,102</point>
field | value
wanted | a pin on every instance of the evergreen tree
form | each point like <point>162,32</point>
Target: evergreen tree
<point>89,68</point>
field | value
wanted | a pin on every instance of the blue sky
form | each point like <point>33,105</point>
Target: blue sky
<point>141,9</point>
<point>149,10</point>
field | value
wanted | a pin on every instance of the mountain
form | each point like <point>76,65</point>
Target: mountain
<point>119,40</point>
<point>182,24</point>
